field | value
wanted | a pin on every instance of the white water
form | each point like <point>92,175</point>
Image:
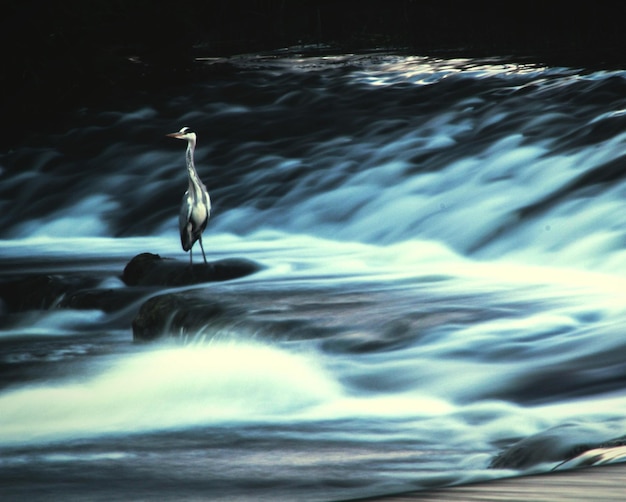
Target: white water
<point>489,188</point>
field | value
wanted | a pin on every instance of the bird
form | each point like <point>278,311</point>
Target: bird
<point>195,209</point>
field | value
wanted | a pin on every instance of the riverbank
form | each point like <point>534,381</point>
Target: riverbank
<point>602,484</point>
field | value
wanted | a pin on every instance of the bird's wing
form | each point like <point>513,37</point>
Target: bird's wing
<point>207,205</point>
<point>184,222</point>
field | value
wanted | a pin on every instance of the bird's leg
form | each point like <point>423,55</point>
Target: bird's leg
<point>202,248</point>
<point>191,258</point>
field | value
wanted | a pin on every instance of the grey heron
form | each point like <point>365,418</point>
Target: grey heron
<point>196,206</point>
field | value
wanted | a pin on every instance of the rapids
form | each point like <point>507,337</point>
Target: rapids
<point>487,193</point>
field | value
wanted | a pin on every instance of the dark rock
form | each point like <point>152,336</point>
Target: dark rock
<point>39,292</point>
<point>149,269</point>
<point>557,444</point>
<point>146,272</point>
<point>175,313</point>
<point>359,321</point>
<point>108,300</point>
<point>196,312</point>
<point>606,453</point>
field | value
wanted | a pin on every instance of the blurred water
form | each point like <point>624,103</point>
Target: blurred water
<point>484,197</point>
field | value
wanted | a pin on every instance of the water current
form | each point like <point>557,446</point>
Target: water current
<point>476,208</point>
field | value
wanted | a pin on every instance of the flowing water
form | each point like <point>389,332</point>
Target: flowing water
<point>478,205</point>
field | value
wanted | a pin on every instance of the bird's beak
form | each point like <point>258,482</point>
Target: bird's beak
<point>176,135</point>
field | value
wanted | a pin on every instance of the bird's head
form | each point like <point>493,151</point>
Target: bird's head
<point>185,133</point>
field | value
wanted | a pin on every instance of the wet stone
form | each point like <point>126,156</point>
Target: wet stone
<point>148,269</point>
<point>173,313</point>
<point>347,322</point>
<point>144,274</point>
<point>108,300</point>
<point>40,292</point>
<point>560,444</point>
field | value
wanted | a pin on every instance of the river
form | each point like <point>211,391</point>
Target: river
<point>475,209</point>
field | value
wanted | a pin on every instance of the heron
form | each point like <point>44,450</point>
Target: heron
<point>195,209</point>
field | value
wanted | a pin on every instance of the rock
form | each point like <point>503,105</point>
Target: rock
<point>558,444</point>
<point>40,292</point>
<point>357,321</point>
<point>604,454</point>
<point>176,312</point>
<point>149,269</point>
<point>145,272</point>
<point>107,300</point>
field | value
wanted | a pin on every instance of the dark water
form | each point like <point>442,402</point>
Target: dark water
<point>473,209</point>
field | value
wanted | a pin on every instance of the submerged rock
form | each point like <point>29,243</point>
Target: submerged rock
<point>346,321</point>
<point>177,312</point>
<point>609,453</point>
<point>559,444</point>
<point>146,272</point>
<point>41,292</point>
<point>147,269</point>
<point>105,299</point>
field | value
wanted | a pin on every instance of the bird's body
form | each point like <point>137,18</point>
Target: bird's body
<point>195,209</point>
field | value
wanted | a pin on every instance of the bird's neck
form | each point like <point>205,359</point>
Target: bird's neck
<point>195,184</point>
<point>191,146</point>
